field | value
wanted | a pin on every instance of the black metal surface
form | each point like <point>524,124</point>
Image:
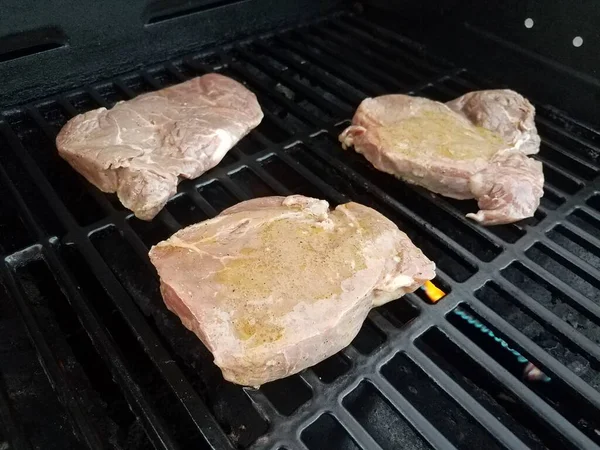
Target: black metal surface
<point>547,49</point>
<point>86,338</point>
<point>101,39</point>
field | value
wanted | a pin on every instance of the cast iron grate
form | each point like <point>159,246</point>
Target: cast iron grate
<point>124,372</point>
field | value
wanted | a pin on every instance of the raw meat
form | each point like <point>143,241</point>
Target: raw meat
<point>143,147</point>
<point>475,146</point>
<point>504,112</point>
<point>277,284</point>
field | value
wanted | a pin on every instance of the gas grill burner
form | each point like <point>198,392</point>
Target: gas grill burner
<point>501,351</point>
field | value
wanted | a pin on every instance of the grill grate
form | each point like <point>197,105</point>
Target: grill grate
<point>125,373</point>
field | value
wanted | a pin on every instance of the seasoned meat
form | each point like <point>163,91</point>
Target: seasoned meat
<point>275,285</point>
<point>143,147</point>
<point>475,146</point>
<point>504,112</point>
<point>505,189</point>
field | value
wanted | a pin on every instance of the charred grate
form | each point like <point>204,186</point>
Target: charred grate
<point>115,369</point>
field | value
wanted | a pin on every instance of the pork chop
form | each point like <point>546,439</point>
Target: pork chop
<point>275,285</point>
<point>475,146</point>
<point>142,148</point>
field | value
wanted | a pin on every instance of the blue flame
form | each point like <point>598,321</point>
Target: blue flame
<point>530,372</point>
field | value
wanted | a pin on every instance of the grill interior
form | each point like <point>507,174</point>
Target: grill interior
<point>86,339</point>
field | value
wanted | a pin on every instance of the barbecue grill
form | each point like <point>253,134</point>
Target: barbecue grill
<point>91,358</point>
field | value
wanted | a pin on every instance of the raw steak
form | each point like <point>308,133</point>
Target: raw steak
<point>277,284</point>
<point>475,146</point>
<point>143,147</point>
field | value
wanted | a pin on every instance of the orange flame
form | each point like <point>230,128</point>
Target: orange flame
<point>433,292</point>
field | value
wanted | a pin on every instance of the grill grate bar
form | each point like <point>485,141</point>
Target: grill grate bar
<point>354,429</point>
<point>547,317</point>
<point>352,354</point>
<point>264,406</point>
<point>331,192</point>
<point>67,106</point>
<point>572,156</point>
<point>382,323</point>
<point>588,270</point>
<point>273,119</point>
<point>312,380</point>
<point>96,331</point>
<point>579,300</point>
<point>261,139</point>
<point>331,399</point>
<point>277,97</point>
<point>158,432</point>
<point>168,221</point>
<point>82,422</point>
<point>201,202</point>
<point>588,133</point>
<point>564,172</point>
<point>411,414</point>
<point>408,45</point>
<point>549,362</point>
<point>155,351</point>
<point>568,134</point>
<point>589,211</point>
<point>392,51</point>
<point>555,192</point>
<point>343,55</point>
<point>150,80</point>
<point>270,180</point>
<point>124,88</point>
<point>484,417</point>
<point>336,109</point>
<point>404,71</point>
<point>584,235</point>
<point>96,97</point>
<point>533,236</point>
<point>339,69</point>
<point>175,72</point>
<point>240,194</point>
<point>83,425</point>
<point>349,93</point>
<point>520,391</point>
<point>64,215</point>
